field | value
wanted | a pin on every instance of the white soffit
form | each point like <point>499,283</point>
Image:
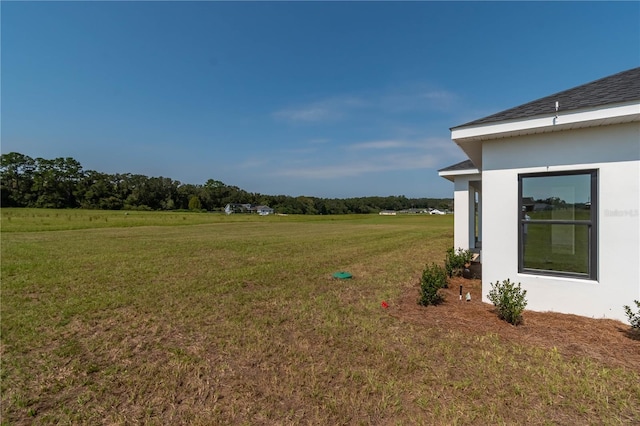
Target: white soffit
<point>459,172</point>
<point>452,174</point>
<point>623,113</point>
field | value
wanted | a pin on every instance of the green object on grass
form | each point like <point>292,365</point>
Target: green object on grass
<point>342,275</point>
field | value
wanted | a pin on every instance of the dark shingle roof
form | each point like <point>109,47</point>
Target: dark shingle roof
<point>614,89</point>
<point>463,165</point>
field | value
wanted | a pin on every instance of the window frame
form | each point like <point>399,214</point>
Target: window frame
<point>592,226</point>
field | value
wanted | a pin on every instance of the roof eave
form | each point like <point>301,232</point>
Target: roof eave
<point>452,174</point>
<point>610,114</point>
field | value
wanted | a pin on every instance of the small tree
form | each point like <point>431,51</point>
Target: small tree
<point>509,299</point>
<point>634,317</point>
<point>433,279</point>
<point>194,203</point>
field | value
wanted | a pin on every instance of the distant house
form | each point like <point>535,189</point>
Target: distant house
<point>237,208</point>
<point>263,210</point>
<point>247,208</point>
<point>555,187</point>
<point>412,211</point>
<point>387,213</point>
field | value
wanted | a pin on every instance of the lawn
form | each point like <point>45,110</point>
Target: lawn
<point>183,318</point>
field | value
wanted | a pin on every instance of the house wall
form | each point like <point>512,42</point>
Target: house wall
<point>463,219</point>
<point>615,151</point>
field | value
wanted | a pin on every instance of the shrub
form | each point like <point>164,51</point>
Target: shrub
<point>433,279</point>
<point>634,318</point>
<point>456,260</point>
<point>509,299</point>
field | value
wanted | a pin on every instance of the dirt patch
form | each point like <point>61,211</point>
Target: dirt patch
<point>603,340</point>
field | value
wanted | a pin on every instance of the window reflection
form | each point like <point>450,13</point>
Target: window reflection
<point>557,222</point>
<point>557,197</point>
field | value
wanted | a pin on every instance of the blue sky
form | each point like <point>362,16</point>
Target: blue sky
<point>327,99</point>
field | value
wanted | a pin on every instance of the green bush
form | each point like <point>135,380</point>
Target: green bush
<point>634,317</point>
<point>509,299</point>
<point>456,260</point>
<point>434,278</point>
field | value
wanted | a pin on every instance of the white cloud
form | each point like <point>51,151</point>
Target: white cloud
<point>388,144</point>
<point>253,162</point>
<point>430,144</point>
<point>440,99</point>
<point>316,159</point>
<point>361,166</point>
<point>309,114</point>
<point>417,99</point>
<point>319,158</point>
<point>341,107</point>
<point>403,144</point>
<point>318,141</point>
<point>330,109</point>
<point>367,157</point>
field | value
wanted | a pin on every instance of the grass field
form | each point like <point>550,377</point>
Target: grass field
<point>181,318</point>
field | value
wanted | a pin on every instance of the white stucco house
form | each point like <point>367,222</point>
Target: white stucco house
<point>550,197</point>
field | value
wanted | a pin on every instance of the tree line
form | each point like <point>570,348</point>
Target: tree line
<point>62,183</point>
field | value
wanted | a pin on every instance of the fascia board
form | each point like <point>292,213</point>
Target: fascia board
<point>451,175</point>
<point>584,118</point>
<point>459,172</point>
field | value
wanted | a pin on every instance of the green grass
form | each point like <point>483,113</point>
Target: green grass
<point>180,318</point>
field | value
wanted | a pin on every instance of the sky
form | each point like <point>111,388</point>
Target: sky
<point>325,99</point>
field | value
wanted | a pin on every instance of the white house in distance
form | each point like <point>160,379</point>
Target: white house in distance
<point>555,186</point>
<point>247,208</point>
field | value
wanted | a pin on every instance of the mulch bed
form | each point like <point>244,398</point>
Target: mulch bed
<point>607,341</point>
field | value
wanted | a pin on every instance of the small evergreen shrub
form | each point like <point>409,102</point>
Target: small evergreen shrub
<point>456,260</point>
<point>434,278</point>
<point>509,299</point>
<point>634,317</point>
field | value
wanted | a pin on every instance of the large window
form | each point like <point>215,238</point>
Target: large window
<point>557,227</point>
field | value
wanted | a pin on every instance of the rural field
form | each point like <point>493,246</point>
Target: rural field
<point>197,318</point>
